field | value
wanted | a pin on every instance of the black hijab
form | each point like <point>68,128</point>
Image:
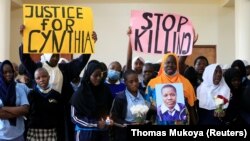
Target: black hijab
<point>230,74</point>
<point>241,66</point>
<point>90,100</point>
<point>8,90</point>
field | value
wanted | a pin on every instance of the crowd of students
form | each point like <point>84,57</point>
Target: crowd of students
<point>48,101</point>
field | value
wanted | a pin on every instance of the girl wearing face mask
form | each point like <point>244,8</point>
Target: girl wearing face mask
<point>113,78</point>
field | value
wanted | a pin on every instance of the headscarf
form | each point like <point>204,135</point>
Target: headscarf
<point>242,68</point>
<point>235,103</point>
<point>176,78</point>
<point>207,91</point>
<point>56,76</point>
<point>63,60</point>
<point>46,57</point>
<point>8,91</point>
<point>92,66</point>
<point>229,74</point>
<point>134,60</point>
<point>89,100</point>
<point>165,57</point>
<point>140,76</point>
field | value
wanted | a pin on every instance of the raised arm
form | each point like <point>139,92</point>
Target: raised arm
<point>75,66</point>
<point>26,60</point>
<point>129,52</point>
<point>78,64</point>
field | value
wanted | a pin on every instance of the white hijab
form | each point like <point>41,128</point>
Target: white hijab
<point>46,57</point>
<point>63,60</point>
<point>56,77</point>
<point>207,90</point>
<point>140,76</point>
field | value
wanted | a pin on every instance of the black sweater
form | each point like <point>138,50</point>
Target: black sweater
<point>45,109</point>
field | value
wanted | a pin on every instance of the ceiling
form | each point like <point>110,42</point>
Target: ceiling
<point>18,3</point>
<point>123,1</point>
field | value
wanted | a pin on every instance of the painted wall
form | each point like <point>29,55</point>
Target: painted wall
<point>213,23</point>
<point>15,38</point>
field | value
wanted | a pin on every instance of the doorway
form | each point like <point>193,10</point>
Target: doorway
<point>209,51</point>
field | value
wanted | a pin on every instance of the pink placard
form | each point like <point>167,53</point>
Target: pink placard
<point>159,33</point>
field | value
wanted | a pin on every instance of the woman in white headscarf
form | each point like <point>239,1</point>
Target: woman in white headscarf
<point>213,95</point>
<point>137,65</point>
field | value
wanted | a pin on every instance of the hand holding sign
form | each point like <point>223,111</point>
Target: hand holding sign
<point>22,27</point>
<point>196,36</point>
<point>94,36</point>
<point>129,32</point>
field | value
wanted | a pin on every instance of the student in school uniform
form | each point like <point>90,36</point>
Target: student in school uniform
<point>45,109</point>
<point>148,74</point>
<point>120,111</point>
<point>113,80</point>
<point>91,105</point>
<point>13,104</point>
<point>212,88</point>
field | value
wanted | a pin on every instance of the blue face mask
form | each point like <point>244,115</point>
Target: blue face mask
<point>113,75</point>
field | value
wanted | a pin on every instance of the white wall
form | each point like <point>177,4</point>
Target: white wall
<point>15,38</point>
<point>5,30</point>
<point>213,23</point>
<point>226,36</point>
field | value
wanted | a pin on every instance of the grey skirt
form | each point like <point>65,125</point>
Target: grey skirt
<point>41,134</point>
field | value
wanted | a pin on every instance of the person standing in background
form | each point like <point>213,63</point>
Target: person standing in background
<point>248,71</point>
<point>113,78</point>
<point>232,114</point>
<point>23,77</point>
<point>148,74</point>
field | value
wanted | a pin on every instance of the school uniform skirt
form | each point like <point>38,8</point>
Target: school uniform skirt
<point>41,134</point>
<point>206,117</point>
